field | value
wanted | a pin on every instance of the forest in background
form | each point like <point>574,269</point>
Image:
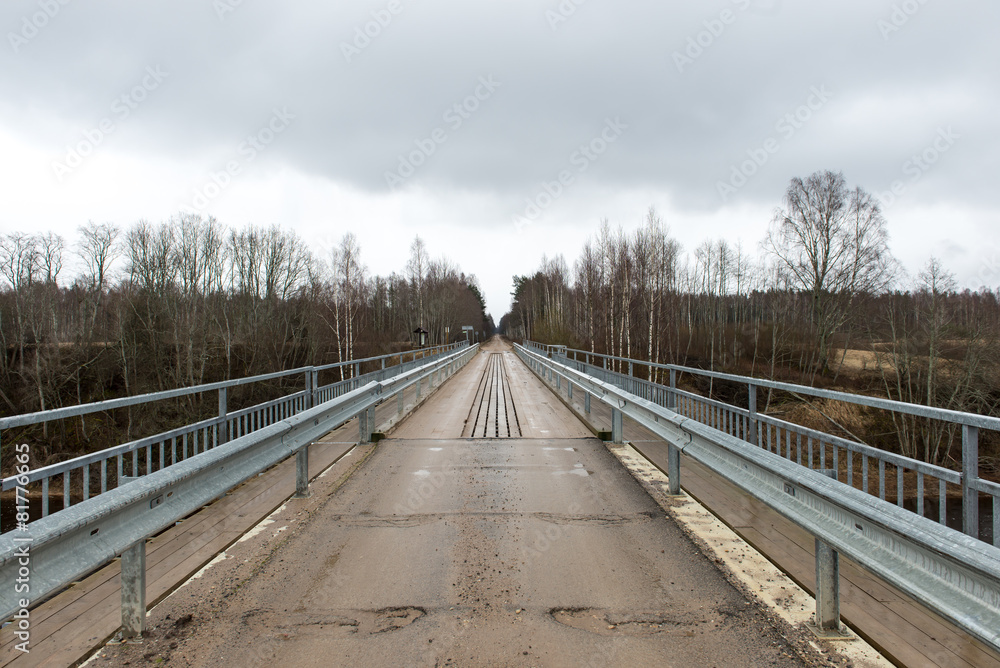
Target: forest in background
<point>822,303</point>
<point>187,301</point>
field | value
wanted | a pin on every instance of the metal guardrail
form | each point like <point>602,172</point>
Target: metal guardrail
<point>73,542</point>
<point>852,460</point>
<point>953,574</point>
<point>89,474</point>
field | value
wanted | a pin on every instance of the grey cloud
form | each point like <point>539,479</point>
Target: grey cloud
<point>687,129</point>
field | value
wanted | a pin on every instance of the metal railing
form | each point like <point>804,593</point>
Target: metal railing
<point>66,545</point>
<point>953,574</point>
<point>89,475</point>
<point>872,470</point>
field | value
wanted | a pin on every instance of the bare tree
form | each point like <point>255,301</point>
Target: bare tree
<point>347,291</point>
<point>97,250</point>
<point>416,269</point>
<point>832,242</point>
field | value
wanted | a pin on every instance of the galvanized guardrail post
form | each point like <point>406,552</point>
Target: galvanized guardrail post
<point>569,389</point>
<point>302,473</point>
<point>752,407</point>
<point>970,472</point>
<point>133,583</point>
<point>315,388</point>
<point>586,402</point>
<point>133,590</point>
<point>673,470</point>
<point>399,402</point>
<point>223,412</point>
<point>827,583</point>
<point>617,435</point>
<point>364,426</point>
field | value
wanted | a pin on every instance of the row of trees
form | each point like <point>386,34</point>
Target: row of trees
<point>190,300</point>
<point>822,302</point>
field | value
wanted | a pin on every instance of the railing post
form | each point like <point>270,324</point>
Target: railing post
<point>133,586</point>
<point>569,389</point>
<point>617,436</point>
<point>586,402</point>
<point>420,381</point>
<point>752,406</point>
<point>970,473</point>
<point>558,383</point>
<point>399,402</point>
<point>223,412</point>
<point>302,473</point>
<point>315,388</point>
<point>827,583</point>
<point>672,394</point>
<point>308,398</point>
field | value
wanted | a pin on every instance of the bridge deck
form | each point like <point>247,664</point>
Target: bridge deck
<point>444,550</point>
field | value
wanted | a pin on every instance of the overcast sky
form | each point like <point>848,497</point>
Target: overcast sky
<point>458,120</point>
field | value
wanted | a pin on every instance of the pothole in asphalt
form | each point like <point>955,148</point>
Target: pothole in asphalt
<point>334,623</point>
<point>611,623</point>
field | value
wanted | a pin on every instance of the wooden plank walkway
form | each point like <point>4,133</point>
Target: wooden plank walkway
<point>69,626</point>
<point>904,630</point>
